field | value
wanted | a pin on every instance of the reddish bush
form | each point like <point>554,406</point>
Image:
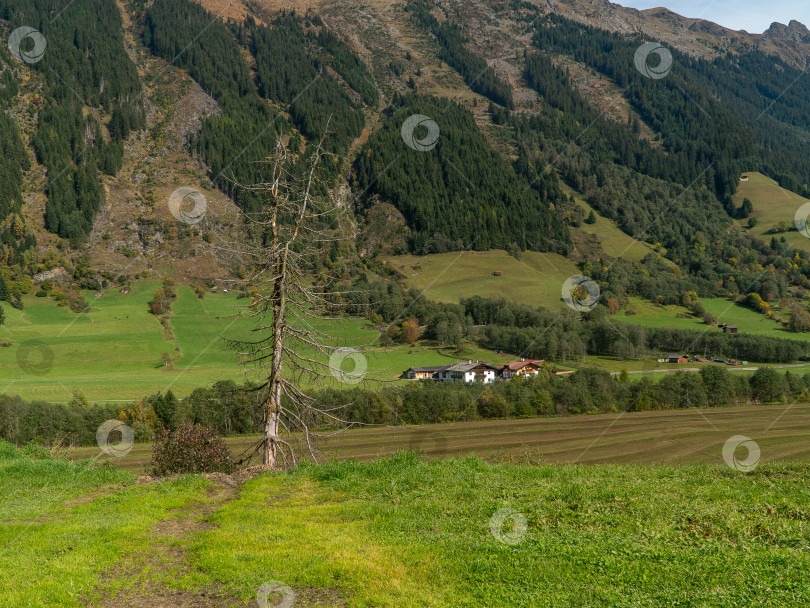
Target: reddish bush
<point>190,449</point>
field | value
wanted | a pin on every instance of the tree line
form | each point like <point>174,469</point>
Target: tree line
<point>560,336</point>
<point>231,409</point>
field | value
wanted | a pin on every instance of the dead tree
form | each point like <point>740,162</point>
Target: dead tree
<point>286,235</point>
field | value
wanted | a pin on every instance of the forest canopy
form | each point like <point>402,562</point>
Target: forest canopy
<point>461,194</point>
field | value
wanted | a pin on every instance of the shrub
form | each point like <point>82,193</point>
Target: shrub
<point>190,449</point>
<point>491,405</point>
<point>163,298</point>
<point>77,303</point>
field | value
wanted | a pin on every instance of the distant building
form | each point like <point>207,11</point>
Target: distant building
<point>677,359</point>
<point>422,373</point>
<point>728,329</point>
<point>524,367</point>
<point>471,371</point>
<point>497,273</point>
<point>744,178</point>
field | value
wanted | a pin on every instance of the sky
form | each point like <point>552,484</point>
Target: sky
<point>755,16</point>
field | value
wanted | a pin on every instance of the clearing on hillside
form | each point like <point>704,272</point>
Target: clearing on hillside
<point>536,279</point>
<point>772,205</point>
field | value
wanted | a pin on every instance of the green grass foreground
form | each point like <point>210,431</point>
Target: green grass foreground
<point>403,532</point>
<point>62,524</point>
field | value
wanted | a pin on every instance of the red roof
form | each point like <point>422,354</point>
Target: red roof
<point>514,366</point>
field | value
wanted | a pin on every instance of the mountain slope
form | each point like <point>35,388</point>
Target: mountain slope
<point>527,96</point>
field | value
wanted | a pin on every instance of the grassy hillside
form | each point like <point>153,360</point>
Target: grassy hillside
<point>408,533</point>
<point>615,242</point>
<point>772,205</point>
<point>114,352</point>
<point>535,279</point>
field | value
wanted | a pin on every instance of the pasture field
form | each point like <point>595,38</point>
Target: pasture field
<point>115,351</point>
<point>668,437</point>
<point>726,311</point>
<point>408,532</point>
<point>772,204</point>
<point>536,279</point>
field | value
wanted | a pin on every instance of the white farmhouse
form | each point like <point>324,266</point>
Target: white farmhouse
<point>472,371</point>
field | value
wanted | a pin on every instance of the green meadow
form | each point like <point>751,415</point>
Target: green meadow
<point>462,533</point>
<point>726,311</point>
<point>115,351</point>
<point>406,532</point>
<point>65,524</point>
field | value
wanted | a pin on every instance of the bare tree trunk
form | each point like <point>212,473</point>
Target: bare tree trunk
<point>289,233</point>
<point>270,432</point>
<point>273,405</point>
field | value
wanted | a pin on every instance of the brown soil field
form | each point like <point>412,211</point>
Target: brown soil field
<point>648,438</point>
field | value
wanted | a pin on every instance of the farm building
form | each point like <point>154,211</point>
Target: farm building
<point>422,373</point>
<point>497,273</point>
<point>524,367</point>
<point>744,178</point>
<point>472,371</point>
<point>677,359</point>
<point>728,329</point>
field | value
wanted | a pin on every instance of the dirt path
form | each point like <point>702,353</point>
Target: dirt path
<point>166,557</point>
